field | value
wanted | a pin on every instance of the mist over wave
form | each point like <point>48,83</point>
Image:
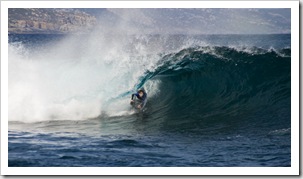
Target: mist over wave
<point>72,79</point>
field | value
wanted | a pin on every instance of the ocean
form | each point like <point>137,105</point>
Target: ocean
<point>212,100</point>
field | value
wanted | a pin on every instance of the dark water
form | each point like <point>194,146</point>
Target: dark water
<point>224,103</point>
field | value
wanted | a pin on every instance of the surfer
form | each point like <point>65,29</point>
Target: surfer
<point>141,98</point>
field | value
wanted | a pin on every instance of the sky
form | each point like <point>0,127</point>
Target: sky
<point>200,21</point>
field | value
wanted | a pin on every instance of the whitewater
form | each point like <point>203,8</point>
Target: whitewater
<point>213,100</point>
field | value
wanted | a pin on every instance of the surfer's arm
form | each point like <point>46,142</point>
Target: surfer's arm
<point>132,99</point>
<point>133,96</point>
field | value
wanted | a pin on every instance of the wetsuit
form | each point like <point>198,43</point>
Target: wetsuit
<point>142,100</point>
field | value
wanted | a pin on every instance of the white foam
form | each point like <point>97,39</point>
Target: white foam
<point>73,79</point>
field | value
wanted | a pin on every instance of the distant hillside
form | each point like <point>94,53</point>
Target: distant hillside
<point>48,20</point>
<point>151,20</point>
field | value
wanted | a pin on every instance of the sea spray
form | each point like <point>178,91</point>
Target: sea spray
<point>74,78</point>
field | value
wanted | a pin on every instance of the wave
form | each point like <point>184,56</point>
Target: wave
<point>186,84</point>
<point>204,84</point>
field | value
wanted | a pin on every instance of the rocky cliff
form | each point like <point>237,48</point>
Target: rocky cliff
<point>47,20</point>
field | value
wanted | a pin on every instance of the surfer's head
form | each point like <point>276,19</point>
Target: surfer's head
<point>140,92</point>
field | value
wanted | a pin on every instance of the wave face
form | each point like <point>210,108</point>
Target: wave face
<point>204,85</point>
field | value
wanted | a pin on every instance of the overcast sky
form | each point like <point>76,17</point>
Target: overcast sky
<point>201,21</point>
